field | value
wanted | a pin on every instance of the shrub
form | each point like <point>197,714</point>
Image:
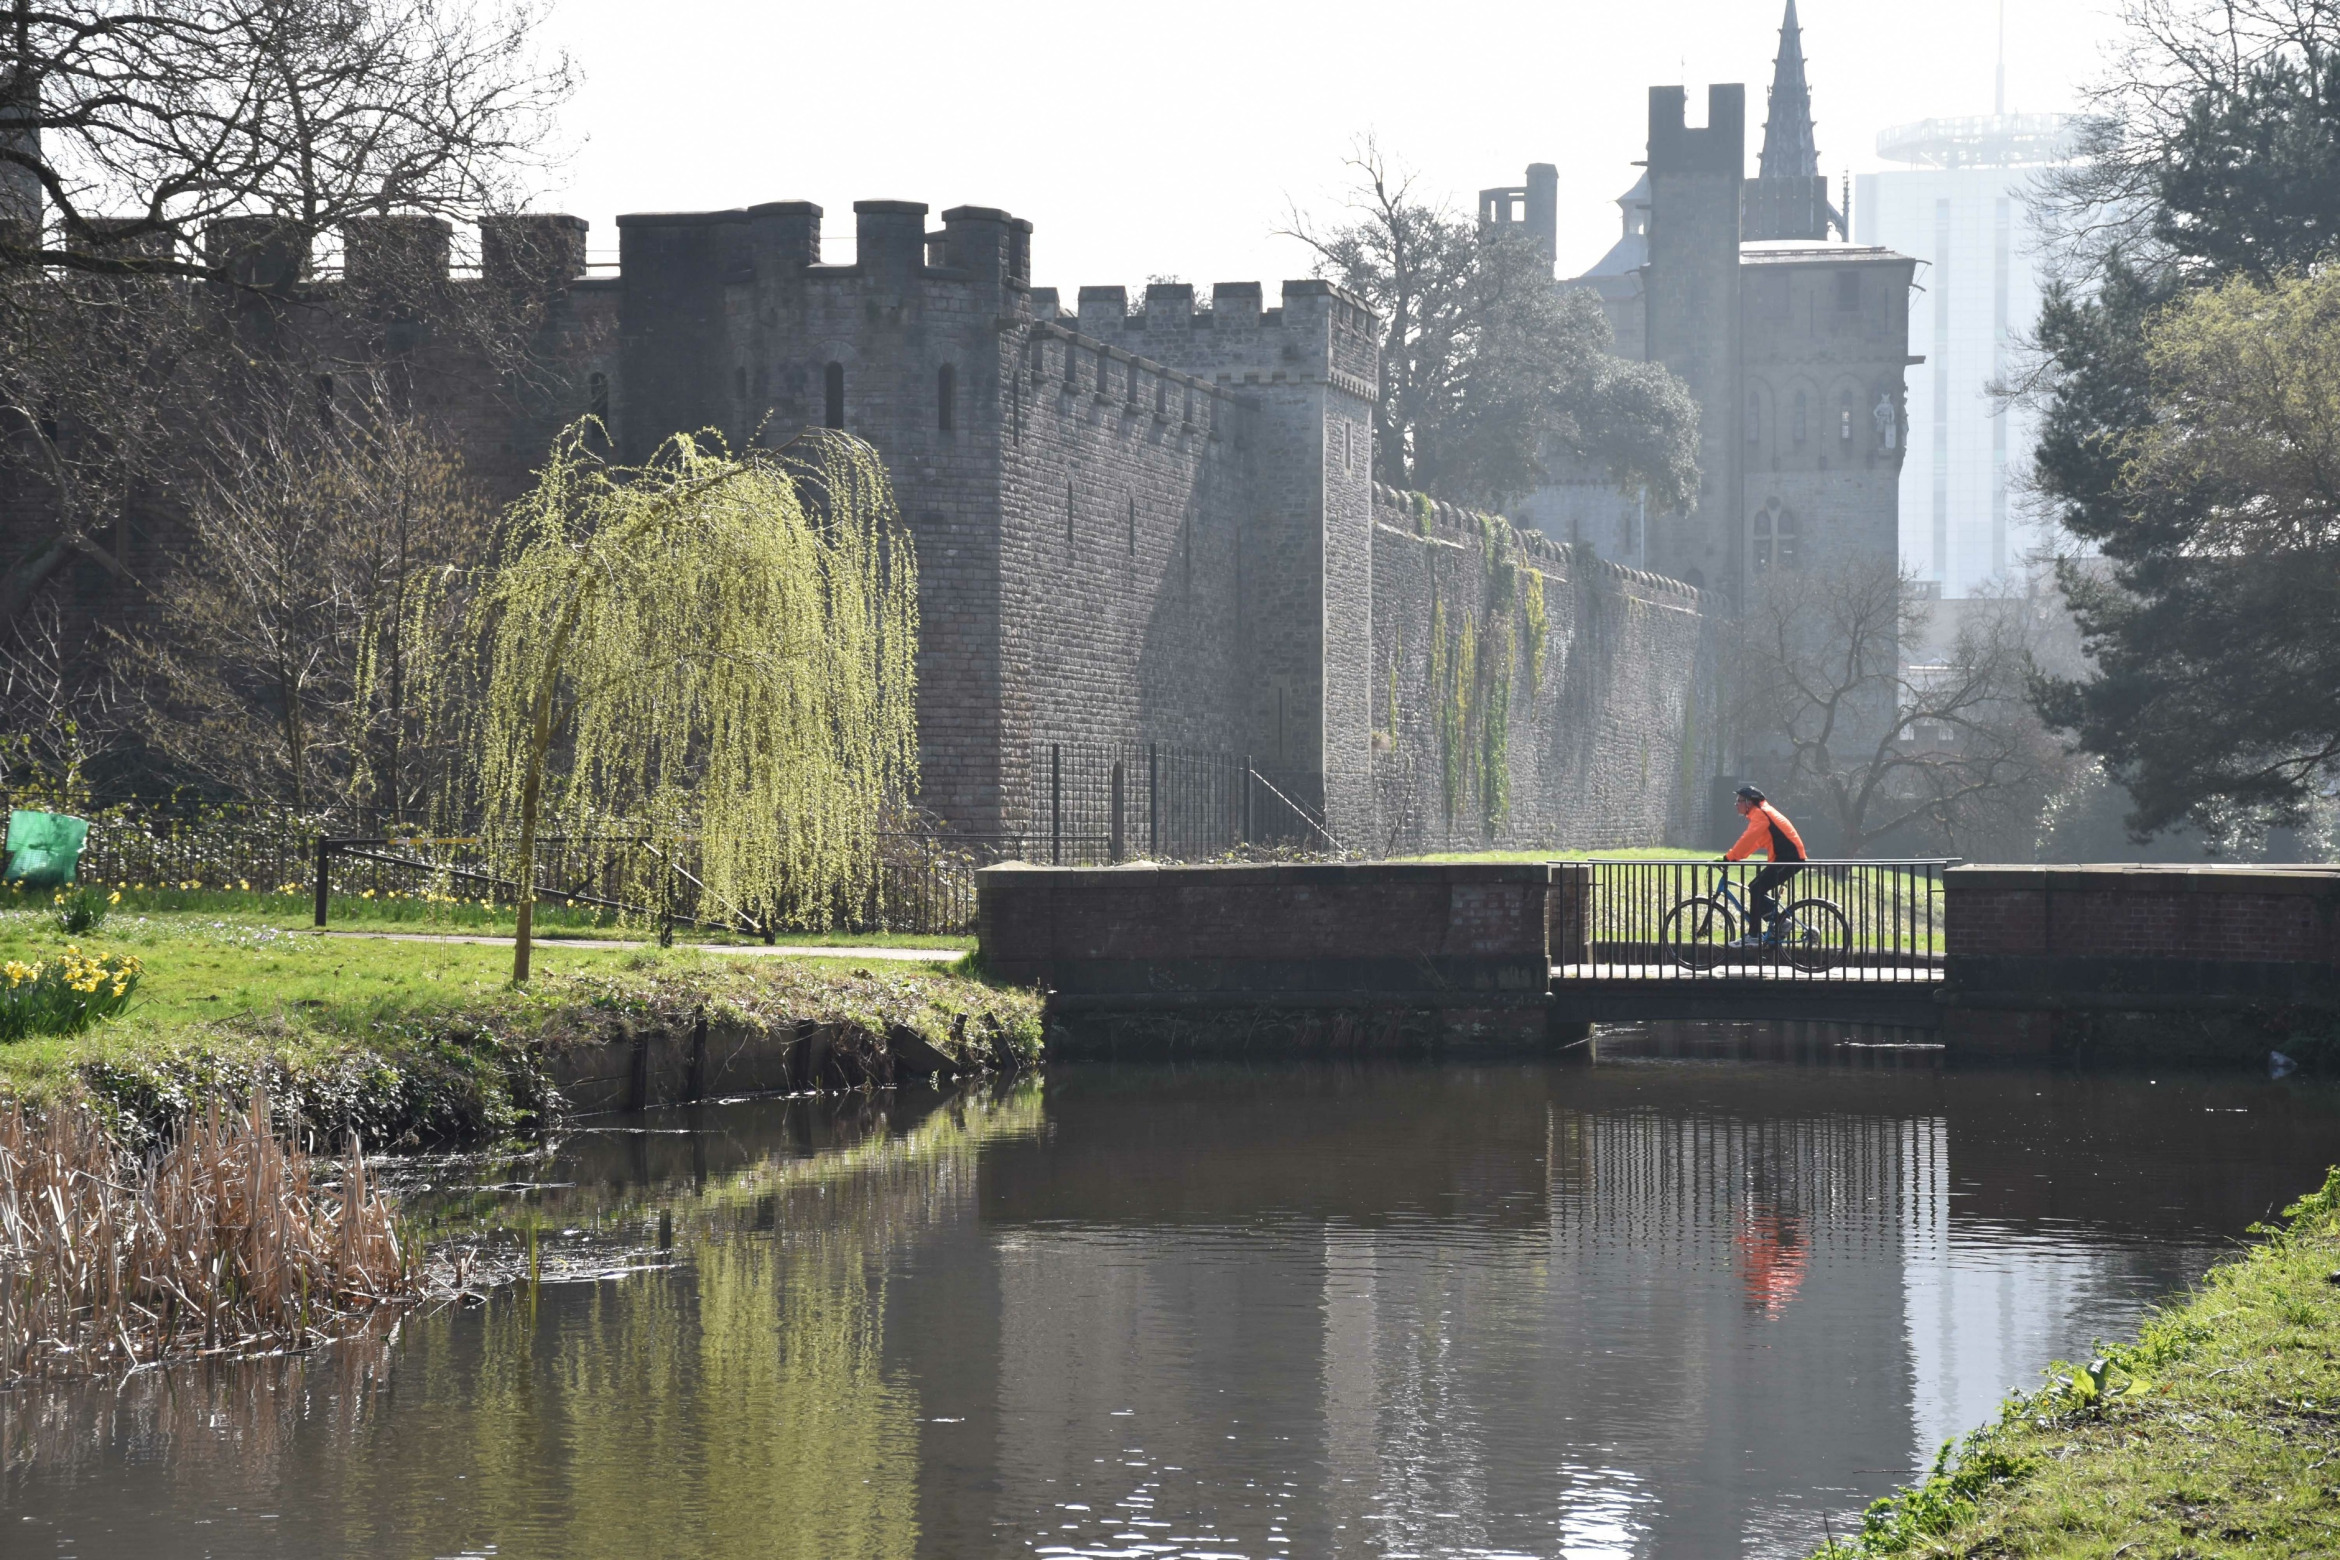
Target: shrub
<point>64,995</point>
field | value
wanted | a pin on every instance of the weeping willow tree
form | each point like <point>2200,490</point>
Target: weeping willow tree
<point>709,648</point>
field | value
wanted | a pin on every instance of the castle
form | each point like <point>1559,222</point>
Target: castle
<point>1794,347</point>
<point>1157,524</point>
<point>1152,524</point>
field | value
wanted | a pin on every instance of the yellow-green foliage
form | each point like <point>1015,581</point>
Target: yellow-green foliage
<point>1425,513</point>
<point>1531,601</point>
<point>2213,1434</point>
<point>2251,372</point>
<point>1472,656</point>
<point>712,645</point>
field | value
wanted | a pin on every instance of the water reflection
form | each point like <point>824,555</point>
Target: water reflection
<point>1681,1302</point>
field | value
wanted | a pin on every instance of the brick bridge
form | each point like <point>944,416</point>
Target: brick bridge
<point>1413,956</point>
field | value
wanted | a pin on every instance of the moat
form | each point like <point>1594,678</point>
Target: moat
<point>1693,1299</point>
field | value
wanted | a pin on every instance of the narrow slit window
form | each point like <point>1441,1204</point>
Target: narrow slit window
<point>325,399</point>
<point>1068,517</point>
<point>946,398</point>
<point>739,381</point>
<point>833,384</point>
<point>597,392</point>
<point>1133,525</point>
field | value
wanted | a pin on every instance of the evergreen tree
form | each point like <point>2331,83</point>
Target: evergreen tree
<point>2212,631</point>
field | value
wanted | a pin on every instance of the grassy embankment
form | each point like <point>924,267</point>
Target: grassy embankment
<point>2217,1433</point>
<point>416,1041</point>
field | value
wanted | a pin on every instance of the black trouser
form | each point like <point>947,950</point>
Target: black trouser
<point>1761,888</point>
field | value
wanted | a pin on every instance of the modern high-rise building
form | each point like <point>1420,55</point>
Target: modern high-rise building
<point>1961,208</point>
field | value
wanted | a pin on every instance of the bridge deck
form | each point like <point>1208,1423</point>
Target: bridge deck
<point>1898,994</point>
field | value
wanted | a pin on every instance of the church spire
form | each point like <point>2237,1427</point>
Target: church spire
<point>1789,151</point>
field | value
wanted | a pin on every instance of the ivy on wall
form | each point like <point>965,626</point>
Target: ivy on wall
<point>1475,652</point>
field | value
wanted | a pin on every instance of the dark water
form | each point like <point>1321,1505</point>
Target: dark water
<point>1666,1305</point>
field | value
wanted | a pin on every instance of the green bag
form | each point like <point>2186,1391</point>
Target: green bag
<point>43,848</point>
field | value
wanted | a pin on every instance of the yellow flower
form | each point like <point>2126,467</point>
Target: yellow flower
<point>114,898</point>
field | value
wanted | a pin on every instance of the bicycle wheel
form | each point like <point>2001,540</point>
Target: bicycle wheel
<point>1814,935</point>
<point>1696,932</point>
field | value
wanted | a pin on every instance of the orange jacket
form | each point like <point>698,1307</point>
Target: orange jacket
<point>1768,830</point>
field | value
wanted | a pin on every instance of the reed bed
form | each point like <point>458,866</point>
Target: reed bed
<point>229,1240</point>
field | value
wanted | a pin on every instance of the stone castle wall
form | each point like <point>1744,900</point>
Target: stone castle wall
<point>1610,742</point>
<point>1150,525</point>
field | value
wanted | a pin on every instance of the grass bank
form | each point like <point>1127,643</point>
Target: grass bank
<point>292,907</point>
<point>2216,1433</point>
<point>407,1043</point>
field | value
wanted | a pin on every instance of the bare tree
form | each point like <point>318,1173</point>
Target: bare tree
<point>282,660</point>
<point>1486,366</point>
<point>166,168</point>
<point>58,716</point>
<point>2172,58</point>
<point>1949,750</point>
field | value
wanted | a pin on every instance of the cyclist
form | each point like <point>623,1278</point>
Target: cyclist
<point>1768,831</point>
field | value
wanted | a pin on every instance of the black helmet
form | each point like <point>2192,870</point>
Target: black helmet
<point>1750,793</point>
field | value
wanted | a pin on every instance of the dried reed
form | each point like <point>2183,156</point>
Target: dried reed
<point>226,1241</point>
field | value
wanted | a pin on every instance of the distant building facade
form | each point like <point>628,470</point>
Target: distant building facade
<point>1961,211</point>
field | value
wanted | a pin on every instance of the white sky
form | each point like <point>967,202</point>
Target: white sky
<point>1152,140</point>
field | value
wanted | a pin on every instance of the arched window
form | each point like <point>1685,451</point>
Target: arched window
<point>1775,538</point>
<point>833,384</point>
<point>1798,431</point>
<point>946,398</point>
<point>1754,419</point>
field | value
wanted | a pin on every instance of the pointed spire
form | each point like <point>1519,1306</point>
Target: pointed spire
<point>1789,152</point>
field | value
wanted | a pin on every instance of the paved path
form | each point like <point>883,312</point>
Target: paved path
<point>784,951</point>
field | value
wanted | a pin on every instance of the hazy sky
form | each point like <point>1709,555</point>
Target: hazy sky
<point>1171,140</point>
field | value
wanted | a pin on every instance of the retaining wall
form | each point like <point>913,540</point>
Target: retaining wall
<point>2198,962</point>
<point>1372,957</point>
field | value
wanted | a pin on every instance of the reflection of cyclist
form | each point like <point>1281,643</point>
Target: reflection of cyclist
<point>1768,831</point>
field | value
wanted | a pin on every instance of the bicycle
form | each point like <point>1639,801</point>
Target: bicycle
<point>1703,931</point>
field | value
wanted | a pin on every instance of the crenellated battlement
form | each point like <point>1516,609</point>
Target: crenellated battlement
<point>1319,334</point>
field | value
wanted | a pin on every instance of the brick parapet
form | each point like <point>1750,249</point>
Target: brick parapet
<point>2143,912</point>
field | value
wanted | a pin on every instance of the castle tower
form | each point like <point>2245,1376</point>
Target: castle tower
<point>1692,315</point>
<point>1788,197</point>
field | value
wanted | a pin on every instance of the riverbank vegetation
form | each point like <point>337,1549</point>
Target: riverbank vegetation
<point>2217,1432</point>
<point>227,1240</point>
<point>407,1043</point>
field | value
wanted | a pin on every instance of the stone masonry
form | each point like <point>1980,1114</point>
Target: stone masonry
<point>1147,521</point>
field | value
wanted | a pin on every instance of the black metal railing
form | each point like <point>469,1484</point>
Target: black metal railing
<point>1102,802</point>
<point>924,883</point>
<point>1830,920</point>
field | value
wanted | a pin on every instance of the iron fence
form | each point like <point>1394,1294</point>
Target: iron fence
<point>1102,802</point>
<point>1829,920</point>
<point>924,883</point>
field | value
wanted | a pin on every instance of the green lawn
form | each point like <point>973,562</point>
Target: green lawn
<point>417,1037</point>
<point>292,908</point>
